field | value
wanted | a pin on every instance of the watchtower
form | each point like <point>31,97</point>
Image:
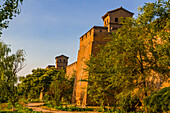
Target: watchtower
<point>112,18</point>
<point>61,61</point>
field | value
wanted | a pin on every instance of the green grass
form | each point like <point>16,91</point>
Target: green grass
<point>7,108</point>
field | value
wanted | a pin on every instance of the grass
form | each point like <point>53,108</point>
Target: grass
<point>7,108</point>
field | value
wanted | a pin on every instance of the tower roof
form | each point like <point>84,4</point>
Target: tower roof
<point>114,11</point>
<point>61,56</point>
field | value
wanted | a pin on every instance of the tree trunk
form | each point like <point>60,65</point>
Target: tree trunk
<point>41,94</point>
<point>13,107</point>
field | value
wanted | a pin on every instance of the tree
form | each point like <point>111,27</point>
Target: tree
<point>51,84</point>
<point>8,10</point>
<point>10,65</point>
<point>137,55</point>
<point>100,90</point>
<point>31,85</point>
<point>158,101</point>
<point>61,88</point>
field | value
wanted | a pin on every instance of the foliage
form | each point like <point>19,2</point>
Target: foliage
<point>8,10</point>
<point>69,108</point>
<point>130,103</point>
<point>136,56</point>
<point>99,84</point>
<point>10,64</point>
<point>52,82</point>
<point>19,109</point>
<point>158,101</point>
<point>73,108</point>
<point>61,88</point>
<point>32,84</point>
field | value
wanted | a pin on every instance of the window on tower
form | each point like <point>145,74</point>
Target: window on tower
<point>116,19</point>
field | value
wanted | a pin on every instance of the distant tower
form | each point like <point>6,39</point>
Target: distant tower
<point>61,61</point>
<point>112,18</point>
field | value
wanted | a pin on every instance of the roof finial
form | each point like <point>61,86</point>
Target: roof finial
<point>120,6</point>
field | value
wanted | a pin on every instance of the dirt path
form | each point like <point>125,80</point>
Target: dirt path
<point>36,107</point>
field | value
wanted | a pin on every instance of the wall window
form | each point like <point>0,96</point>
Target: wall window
<point>64,60</point>
<point>60,60</point>
<point>105,22</point>
<point>124,20</point>
<point>116,19</point>
<point>100,30</point>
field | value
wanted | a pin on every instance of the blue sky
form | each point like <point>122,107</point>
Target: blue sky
<point>48,28</point>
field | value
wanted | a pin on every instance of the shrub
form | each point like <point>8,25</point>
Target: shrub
<point>158,101</point>
<point>130,103</point>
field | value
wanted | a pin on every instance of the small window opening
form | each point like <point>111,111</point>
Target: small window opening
<point>60,60</point>
<point>100,30</point>
<point>124,20</point>
<point>105,22</point>
<point>64,60</point>
<point>116,19</point>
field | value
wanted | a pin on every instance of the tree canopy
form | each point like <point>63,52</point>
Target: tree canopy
<point>137,57</point>
<point>52,82</point>
<point>8,10</point>
<point>10,65</point>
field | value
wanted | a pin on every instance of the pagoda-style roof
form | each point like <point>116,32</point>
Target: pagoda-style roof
<point>114,11</point>
<point>61,56</point>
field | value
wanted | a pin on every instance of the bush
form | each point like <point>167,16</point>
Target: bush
<point>158,101</point>
<point>72,108</point>
<point>34,100</point>
<point>130,103</point>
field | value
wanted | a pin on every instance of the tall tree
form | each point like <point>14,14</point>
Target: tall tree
<point>137,55</point>
<point>10,65</point>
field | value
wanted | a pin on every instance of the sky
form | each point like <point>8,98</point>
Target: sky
<point>48,28</point>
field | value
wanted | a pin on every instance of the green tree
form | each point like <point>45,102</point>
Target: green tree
<point>10,65</point>
<point>61,88</point>
<point>158,101</point>
<point>136,56</point>
<point>51,83</point>
<point>31,86</point>
<point>8,10</point>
